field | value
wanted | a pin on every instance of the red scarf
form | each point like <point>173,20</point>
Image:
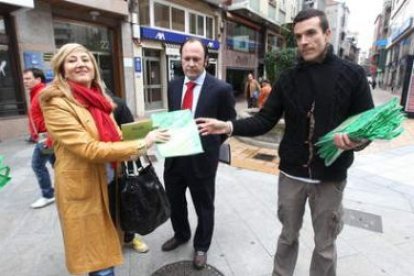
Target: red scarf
<point>100,109</point>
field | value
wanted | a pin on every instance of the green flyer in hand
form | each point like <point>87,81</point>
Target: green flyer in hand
<point>185,139</point>
<point>382,122</point>
<point>136,130</point>
<point>4,173</point>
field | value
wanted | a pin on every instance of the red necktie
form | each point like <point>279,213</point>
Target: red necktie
<point>188,97</point>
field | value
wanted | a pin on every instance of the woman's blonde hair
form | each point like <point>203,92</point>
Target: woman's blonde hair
<point>58,62</point>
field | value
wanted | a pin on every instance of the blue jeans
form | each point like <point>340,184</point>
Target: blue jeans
<point>39,161</point>
<point>104,272</point>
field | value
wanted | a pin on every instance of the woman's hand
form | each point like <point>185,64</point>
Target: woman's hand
<point>157,136</point>
<point>208,126</point>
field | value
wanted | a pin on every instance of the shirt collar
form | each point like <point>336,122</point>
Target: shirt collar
<point>199,80</point>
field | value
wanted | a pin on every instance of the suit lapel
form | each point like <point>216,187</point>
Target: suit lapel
<point>204,94</point>
<point>178,92</point>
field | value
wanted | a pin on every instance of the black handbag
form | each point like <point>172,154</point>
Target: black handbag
<point>144,204</point>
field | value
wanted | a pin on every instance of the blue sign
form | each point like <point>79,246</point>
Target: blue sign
<point>49,75</point>
<point>33,59</point>
<point>137,64</point>
<point>397,32</point>
<point>166,36</point>
<point>381,42</point>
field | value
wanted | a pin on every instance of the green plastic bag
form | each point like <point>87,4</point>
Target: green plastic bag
<point>4,173</point>
<point>382,122</point>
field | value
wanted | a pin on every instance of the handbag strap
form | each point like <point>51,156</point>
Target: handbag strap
<point>133,167</point>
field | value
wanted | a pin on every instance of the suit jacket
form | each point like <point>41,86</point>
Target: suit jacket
<point>216,101</point>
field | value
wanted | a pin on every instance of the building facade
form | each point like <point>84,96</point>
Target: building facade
<point>136,44</point>
<point>378,50</point>
<point>314,4</point>
<point>37,32</point>
<point>12,97</point>
<point>338,16</point>
<point>400,47</point>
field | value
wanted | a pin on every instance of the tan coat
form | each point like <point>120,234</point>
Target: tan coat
<point>90,238</point>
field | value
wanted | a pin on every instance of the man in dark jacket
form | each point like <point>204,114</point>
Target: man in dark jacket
<point>205,96</point>
<point>314,97</point>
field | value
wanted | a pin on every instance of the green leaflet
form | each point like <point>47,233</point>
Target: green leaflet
<point>382,122</point>
<point>4,173</point>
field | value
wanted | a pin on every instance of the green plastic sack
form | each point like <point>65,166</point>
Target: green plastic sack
<point>382,122</point>
<point>4,173</point>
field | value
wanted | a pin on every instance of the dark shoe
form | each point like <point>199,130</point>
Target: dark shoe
<point>200,259</point>
<point>172,244</point>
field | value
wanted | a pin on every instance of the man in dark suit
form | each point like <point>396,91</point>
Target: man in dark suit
<point>206,96</point>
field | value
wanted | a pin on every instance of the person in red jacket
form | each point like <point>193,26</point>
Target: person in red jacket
<point>34,81</point>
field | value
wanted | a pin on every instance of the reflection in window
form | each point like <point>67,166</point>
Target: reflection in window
<point>197,23</point>
<point>97,39</point>
<point>209,27</point>
<point>11,102</point>
<point>178,20</point>
<point>161,15</point>
<point>193,23</point>
<point>200,25</point>
<point>2,26</point>
<point>241,38</point>
<point>168,17</point>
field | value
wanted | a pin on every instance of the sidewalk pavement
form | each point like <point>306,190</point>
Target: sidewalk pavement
<point>377,240</point>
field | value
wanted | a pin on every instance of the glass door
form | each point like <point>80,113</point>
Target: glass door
<point>174,68</point>
<point>152,80</point>
<point>11,98</point>
<point>104,61</point>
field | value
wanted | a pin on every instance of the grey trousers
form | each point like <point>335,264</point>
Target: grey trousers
<point>325,201</point>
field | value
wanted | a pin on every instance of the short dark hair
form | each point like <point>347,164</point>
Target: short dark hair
<point>309,13</point>
<point>37,73</point>
<point>265,81</point>
<point>193,39</point>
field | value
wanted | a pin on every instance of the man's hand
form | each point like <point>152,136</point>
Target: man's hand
<point>208,126</point>
<point>343,142</point>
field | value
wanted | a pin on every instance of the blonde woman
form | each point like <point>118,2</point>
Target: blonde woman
<point>78,115</point>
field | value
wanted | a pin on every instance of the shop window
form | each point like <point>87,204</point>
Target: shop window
<point>11,98</point>
<point>98,39</point>
<point>241,38</point>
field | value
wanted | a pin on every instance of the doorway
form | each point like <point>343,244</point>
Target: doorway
<point>104,61</point>
<point>152,80</point>
<point>237,78</point>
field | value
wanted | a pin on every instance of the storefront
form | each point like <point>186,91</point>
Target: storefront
<point>30,38</point>
<point>12,97</point>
